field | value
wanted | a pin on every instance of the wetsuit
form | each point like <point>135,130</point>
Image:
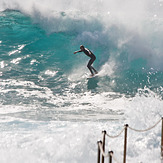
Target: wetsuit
<point>93,58</point>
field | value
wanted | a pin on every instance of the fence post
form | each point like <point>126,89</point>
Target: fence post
<point>98,152</point>
<point>103,145</point>
<point>125,144</point>
<point>110,156</point>
<point>162,141</point>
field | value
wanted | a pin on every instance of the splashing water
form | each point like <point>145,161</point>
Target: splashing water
<point>49,110</point>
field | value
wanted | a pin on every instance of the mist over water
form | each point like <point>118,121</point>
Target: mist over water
<point>49,110</point>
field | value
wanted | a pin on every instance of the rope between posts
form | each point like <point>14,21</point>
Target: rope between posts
<point>145,129</point>
<point>115,135</point>
<point>107,155</point>
<point>102,151</point>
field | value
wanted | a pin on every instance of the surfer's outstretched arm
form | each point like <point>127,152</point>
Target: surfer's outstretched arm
<point>77,51</point>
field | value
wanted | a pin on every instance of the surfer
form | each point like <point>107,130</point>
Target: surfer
<point>91,55</point>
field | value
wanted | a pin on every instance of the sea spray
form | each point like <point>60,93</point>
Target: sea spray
<point>49,110</point>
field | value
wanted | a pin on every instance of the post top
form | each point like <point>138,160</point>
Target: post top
<point>99,141</point>
<point>111,152</point>
<point>126,125</point>
<point>104,132</point>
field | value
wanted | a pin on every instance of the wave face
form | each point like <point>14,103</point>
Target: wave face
<point>44,86</point>
<point>42,39</point>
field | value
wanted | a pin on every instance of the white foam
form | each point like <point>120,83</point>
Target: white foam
<point>73,135</point>
<point>129,27</point>
<point>18,50</point>
<point>69,129</point>
<point>51,73</point>
<point>108,68</point>
<point>3,64</point>
<point>16,61</point>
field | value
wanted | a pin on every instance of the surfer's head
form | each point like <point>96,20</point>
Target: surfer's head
<point>81,47</point>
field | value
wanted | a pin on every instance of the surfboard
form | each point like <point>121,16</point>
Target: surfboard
<point>92,76</point>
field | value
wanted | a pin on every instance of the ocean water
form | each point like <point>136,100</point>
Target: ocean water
<point>49,111</point>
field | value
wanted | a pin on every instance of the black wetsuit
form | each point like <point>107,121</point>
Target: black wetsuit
<point>93,58</point>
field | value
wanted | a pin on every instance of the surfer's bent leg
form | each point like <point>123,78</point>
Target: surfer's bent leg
<point>90,67</point>
<point>94,70</point>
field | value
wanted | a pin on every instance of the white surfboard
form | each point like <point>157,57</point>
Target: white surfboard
<point>92,76</point>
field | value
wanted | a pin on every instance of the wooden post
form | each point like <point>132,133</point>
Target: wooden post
<point>110,156</point>
<point>98,152</point>
<point>125,143</point>
<point>162,141</point>
<point>103,145</point>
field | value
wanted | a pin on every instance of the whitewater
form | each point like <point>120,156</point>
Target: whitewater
<point>49,111</point>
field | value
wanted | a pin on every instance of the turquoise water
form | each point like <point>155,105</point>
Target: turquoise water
<point>29,51</point>
<point>45,96</point>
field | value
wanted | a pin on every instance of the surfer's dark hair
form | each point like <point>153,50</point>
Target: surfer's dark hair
<point>81,46</point>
